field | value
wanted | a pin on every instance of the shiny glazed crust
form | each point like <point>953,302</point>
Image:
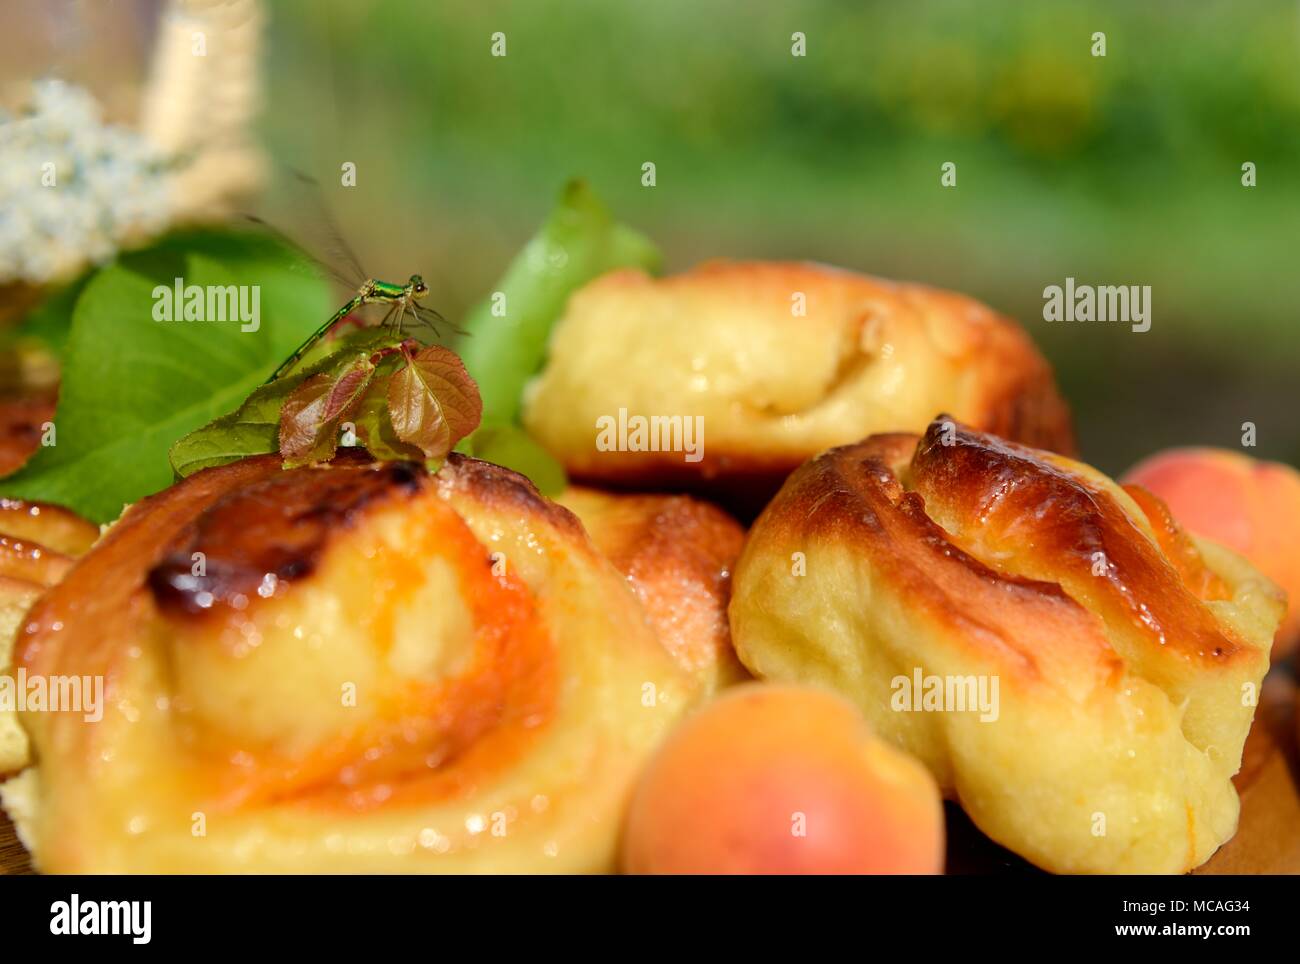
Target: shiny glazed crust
<point>782,360</point>
<point>1127,656</point>
<point>353,668</point>
<point>38,545</point>
<point>678,554</point>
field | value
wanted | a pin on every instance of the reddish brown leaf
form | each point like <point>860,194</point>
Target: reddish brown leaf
<point>348,389</point>
<point>310,417</point>
<point>375,426</point>
<point>301,418</point>
<point>433,402</point>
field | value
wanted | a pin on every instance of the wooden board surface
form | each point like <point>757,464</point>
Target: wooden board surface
<point>1267,839</point>
<point>13,858</point>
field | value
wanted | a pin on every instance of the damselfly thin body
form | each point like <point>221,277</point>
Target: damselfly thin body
<point>402,299</point>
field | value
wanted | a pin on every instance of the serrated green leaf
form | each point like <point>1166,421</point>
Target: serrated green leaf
<point>254,427</point>
<point>132,385</point>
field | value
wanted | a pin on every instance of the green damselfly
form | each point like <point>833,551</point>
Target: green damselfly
<point>403,300</point>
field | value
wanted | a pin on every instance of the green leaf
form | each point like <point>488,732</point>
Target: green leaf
<point>132,385</point>
<point>511,446</point>
<point>254,427</point>
<point>432,401</point>
<point>578,242</point>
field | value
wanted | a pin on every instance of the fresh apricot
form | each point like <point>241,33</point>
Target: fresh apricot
<point>1248,505</point>
<point>783,779</point>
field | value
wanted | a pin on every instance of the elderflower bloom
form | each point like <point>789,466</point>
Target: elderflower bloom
<point>73,190</point>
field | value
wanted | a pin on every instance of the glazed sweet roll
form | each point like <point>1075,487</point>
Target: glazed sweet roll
<point>727,377</point>
<point>38,545</point>
<point>1073,668</point>
<point>358,667</point>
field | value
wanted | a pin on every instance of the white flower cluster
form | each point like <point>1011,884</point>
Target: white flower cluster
<point>73,190</point>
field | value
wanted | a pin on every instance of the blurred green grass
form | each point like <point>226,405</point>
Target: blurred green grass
<point>1117,170</point>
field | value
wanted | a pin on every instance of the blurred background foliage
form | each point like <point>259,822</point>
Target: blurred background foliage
<point>1123,169</point>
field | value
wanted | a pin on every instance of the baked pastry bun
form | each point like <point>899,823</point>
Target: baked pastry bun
<point>677,554</point>
<point>354,668</point>
<point>38,545</point>
<point>727,377</point>
<point>1073,668</point>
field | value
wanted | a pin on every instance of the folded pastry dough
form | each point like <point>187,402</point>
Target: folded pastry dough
<point>359,667</point>
<point>730,375</point>
<point>1124,657</point>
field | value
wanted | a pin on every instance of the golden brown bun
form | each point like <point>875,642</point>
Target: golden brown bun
<point>354,668</point>
<point>1127,657</point>
<point>16,598</point>
<point>677,554</point>
<point>723,341</point>
<point>38,544</point>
